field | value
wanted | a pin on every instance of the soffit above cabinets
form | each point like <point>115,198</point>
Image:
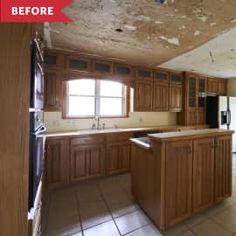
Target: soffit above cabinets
<point>142,32</point>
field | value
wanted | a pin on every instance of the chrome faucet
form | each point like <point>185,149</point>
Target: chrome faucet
<point>97,120</point>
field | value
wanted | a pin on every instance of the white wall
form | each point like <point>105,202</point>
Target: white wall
<point>55,123</point>
<point>232,87</point>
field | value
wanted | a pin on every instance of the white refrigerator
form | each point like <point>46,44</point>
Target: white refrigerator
<point>221,113</point>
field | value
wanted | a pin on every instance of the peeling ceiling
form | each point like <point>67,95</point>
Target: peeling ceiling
<point>216,57</point>
<point>142,32</point>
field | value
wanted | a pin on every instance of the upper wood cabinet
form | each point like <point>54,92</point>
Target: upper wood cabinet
<point>52,91</point>
<point>103,67</point>
<point>144,74</point>
<point>78,64</point>
<point>57,161</point>
<point>160,96</point>
<point>143,95</point>
<point>203,174</point>
<point>175,92</point>
<point>195,100</point>
<point>122,70</point>
<point>216,86</point>
<point>178,181</point>
<point>223,168</point>
<point>54,59</point>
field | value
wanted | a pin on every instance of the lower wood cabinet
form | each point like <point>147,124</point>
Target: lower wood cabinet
<point>203,174</point>
<point>118,158</point>
<point>223,168</point>
<point>178,181</point>
<point>174,179</point>
<point>57,161</point>
<point>86,161</point>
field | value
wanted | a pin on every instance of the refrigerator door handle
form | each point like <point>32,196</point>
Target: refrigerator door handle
<point>229,117</point>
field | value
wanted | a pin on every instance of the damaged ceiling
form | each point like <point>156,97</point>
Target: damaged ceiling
<point>142,32</point>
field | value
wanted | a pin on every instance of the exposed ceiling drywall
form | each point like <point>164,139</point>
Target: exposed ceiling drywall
<point>151,33</point>
<point>216,57</point>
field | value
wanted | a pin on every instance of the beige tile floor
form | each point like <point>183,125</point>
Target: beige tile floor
<point>105,207</point>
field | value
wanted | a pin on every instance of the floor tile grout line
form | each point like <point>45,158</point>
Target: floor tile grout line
<point>108,207</point>
<point>136,229</point>
<point>47,211</point>
<point>78,210</point>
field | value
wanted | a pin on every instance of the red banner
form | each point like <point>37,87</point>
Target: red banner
<point>33,11</point>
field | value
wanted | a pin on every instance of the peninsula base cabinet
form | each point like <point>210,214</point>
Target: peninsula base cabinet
<point>176,178</point>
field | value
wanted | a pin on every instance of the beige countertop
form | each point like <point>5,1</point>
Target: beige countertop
<point>113,130</point>
<point>187,133</point>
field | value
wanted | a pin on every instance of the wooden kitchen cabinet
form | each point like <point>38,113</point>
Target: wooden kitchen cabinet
<point>102,67</point>
<point>175,97</point>
<point>203,174</point>
<point>160,96</point>
<point>86,161</point>
<point>87,157</point>
<point>181,174</point>
<point>223,168</point>
<point>78,64</point>
<point>52,91</point>
<point>118,158</point>
<point>194,112</point>
<point>54,60</point>
<point>143,95</point>
<point>57,161</point>
<point>178,181</point>
<point>216,86</point>
<point>118,150</point>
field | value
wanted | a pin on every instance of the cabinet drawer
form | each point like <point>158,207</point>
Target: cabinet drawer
<point>118,137</point>
<point>88,140</point>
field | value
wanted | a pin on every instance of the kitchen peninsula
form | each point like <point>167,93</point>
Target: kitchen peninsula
<point>177,174</point>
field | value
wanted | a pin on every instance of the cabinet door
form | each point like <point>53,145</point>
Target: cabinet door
<point>118,158</point>
<point>123,70</point>
<point>103,67</point>
<point>223,168</point>
<point>192,92</point>
<point>175,97</point>
<point>178,181</point>
<point>124,157</point>
<point>143,96</point>
<point>160,96</point>
<point>222,87</point>
<point>201,116</point>
<point>202,92</point>
<point>56,162</point>
<point>203,174</point>
<point>52,88</point>
<point>212,86</point>
<point>192,116</point>
<point>78,64</point>
<point>86,161</point>
<point>53,60</point>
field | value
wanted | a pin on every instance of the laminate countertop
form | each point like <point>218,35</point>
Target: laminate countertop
<point>188,133</point>
<point>120,130</point>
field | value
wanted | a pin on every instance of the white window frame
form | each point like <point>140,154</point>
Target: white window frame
<point>97,100</point>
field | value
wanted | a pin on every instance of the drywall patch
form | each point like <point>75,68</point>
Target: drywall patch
<point>212,23</point>
<point>182,27</point>
<point>233,21</point>
<point>158,22</point>
<point>130,27</point>
<point>202,18</point>
<point>143,18</point>
<point>174,40</point>
<point>196,33</point>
